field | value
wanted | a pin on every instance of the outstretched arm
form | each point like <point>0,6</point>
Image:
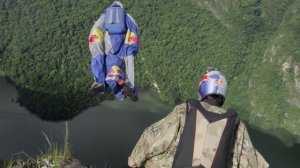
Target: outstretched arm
<point>245,155</point>
<point>157,138</point>
<point>132,36</point>
<point>96,46</point>
<point>129,65</point>
<point>132,45</point>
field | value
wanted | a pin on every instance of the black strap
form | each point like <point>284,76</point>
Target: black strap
<point>224,150</point>
<point>185,149</point>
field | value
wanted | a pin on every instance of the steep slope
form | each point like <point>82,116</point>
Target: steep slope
<point>43,49</point>
<point>278,75</point>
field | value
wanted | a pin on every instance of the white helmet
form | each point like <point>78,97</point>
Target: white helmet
<point>213,83</point>
<point>117,3</point>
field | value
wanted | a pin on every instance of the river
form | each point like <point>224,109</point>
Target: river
<point>105,134</point>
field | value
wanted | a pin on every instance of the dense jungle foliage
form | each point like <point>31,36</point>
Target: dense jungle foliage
<point>44,51</point>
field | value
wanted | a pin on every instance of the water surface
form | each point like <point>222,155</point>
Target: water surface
<point>105,134</point>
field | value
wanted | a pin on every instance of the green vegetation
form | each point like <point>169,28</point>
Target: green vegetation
<point>1,164</point>
<point>54,157</point>
<point>2,73</point>
<point>44,51</point>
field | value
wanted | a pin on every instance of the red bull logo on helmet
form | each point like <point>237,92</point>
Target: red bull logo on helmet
<point>219,82</point>
<point>115,70</point>
<point>115,74</point>
<point>203,79</point>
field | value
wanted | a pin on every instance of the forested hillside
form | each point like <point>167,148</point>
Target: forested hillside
<point>44,51</point>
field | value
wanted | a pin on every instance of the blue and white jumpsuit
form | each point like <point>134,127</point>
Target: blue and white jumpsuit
<point>114,40</point>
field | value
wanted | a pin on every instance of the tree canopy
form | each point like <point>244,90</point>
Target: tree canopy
<point>44,51</point>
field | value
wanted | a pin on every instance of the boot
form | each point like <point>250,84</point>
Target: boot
<point>96,88</point>
<point>130,92</point>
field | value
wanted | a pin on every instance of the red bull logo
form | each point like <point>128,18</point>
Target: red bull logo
<point>115,74</point>
<point>96,36</point>
<point>93,38</point>
<point>133,39</point>
<point>204,78</point>
<point>130,38</point>
<point>219,82</point>
<point>115,70</point>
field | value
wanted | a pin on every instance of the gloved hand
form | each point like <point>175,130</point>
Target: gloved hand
<point>134,91</point>
<point>121,83</point>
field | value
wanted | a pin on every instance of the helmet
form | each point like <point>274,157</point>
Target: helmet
<point>213,83</point>
<point>117,3</point>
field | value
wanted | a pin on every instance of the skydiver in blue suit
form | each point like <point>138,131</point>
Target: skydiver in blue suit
<point>113,41</point>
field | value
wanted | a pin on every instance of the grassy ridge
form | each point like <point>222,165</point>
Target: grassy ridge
<point>54,157</point>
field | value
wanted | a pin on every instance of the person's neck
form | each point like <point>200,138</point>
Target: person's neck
<point>212,101</point>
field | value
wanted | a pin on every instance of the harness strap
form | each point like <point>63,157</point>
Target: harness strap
<point>184,153</point>
<point>186,144</point>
